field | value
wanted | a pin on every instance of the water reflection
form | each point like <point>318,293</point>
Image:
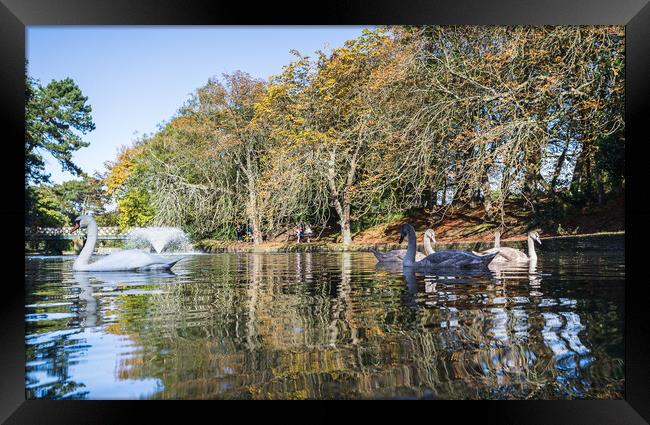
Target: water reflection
<point>319,325</point>
<point>90,345</point>
<point>87,312</point>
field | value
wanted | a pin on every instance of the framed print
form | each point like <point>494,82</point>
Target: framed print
<point>399,202</point>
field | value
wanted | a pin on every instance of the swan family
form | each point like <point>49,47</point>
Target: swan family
<point>127,260</point>
<point>440,259</point>
<point>412,259</point>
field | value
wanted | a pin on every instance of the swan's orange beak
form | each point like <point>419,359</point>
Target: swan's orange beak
<point>75,227</point>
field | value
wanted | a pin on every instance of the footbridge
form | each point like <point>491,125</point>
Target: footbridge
<point>63,233</point>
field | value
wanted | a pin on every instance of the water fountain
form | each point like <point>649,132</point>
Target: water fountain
<point>161,239</point>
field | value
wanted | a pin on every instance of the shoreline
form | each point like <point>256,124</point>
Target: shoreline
<point>214,246</point>
<point>210,246</point>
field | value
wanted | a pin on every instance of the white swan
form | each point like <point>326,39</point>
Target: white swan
<point>132,259</point>
<point>440,259</point>
<point>397,255</point>
<point>429,238</point>
<point>497,242</point>
<point>511,255</point>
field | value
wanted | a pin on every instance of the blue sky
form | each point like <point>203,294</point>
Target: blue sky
<point>137,77</point>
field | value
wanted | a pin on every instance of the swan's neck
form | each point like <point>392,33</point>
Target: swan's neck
<point>532,255</point>
<point>497,239</point>
<point>532,265</point>
<point>409,258</point>
<point>428,249</point>
<point>90,312</point>
<point>89,247</point>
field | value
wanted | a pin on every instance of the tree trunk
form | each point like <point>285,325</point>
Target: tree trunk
<point>257,231</point>
<point>345,225</point>
<point>600,185</point>
<point>343,212</point>
<point>582,174</point>
<point>345,232</point>
<point>340,201</point>
<point>576,178</point>
<point>559,165</point>
<point>253,214</point>
<point>531,177</point>
<point>487,199</point>
<point>474,194</point>
<point>444,193</point>
<point>252,211</point>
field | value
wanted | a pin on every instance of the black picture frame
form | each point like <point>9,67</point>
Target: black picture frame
<point>15,15</point>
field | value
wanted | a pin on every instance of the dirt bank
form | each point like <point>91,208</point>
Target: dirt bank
<point>464,229</point>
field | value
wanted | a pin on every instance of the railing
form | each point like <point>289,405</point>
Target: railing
<point>51,233</point>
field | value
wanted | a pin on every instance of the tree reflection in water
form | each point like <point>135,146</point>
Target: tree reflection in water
<point>339,326</point>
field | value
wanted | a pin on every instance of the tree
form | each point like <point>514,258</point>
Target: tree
<point>58,205</point>
<point>222,112</point>
<point>52,113</point>
<point>509,110</point>
<point>201,170</point>
<point>134,209</point>
<point>83,196</point>
<point>45,208</point>
<point>397,119</point>
<point>319,120</point>
<point>124,184</point>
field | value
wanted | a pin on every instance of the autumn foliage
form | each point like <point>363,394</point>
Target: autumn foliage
<point>399,118</point>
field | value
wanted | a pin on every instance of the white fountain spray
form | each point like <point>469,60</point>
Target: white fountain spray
<point>161,239</point>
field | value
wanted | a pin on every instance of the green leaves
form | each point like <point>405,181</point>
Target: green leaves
<point>135,209</point>
<point>57,205</point>
<point>44,208</point>
<point>55,114</point>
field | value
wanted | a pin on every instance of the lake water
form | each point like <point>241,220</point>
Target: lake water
<point>330,325</point>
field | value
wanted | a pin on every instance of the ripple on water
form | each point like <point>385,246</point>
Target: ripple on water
<point>328,325</point>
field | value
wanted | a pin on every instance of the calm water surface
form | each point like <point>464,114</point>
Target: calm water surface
<point>321,325</point>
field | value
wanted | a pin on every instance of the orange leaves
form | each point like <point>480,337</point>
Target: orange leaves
<point>120,170</point>
<point>182,122</point>
<point>591,104</point>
